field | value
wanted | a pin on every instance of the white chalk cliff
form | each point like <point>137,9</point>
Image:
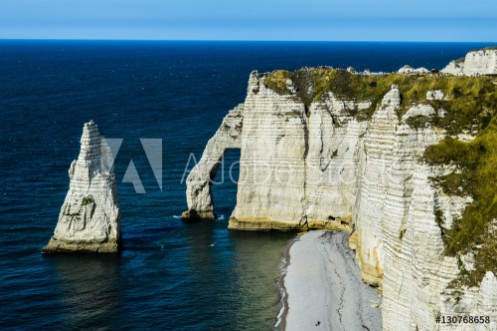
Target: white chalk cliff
<point>89,219</point>
<point>475,63</point>
<point>198,192</point>
<point>407,69</point>
<point>319,166</point>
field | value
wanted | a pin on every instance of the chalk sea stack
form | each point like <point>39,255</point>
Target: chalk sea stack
<point>89,220</point>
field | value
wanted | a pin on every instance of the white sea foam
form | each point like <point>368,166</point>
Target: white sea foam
<point>285,260</point>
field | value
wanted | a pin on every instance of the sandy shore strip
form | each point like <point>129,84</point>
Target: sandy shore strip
<point>323,287</point>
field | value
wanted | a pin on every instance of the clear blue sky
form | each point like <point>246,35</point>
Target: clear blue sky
<point>357,20</point>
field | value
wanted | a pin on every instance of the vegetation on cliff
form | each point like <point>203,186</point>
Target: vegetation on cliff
<point>476,176</point>
<point>469,106</point>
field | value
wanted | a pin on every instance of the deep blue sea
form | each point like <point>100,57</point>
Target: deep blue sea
<point>170,276</point>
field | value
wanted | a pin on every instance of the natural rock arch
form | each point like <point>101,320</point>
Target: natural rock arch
<point>199,181</point>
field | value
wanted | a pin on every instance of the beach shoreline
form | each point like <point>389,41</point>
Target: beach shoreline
<point>280,323</point>
<point>322,287</point>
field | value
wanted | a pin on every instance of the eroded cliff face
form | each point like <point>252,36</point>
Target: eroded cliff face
<point>329,164</point>
<point>476,63</point>
<point>295,163</point>
<point>274,145</point>
<point>89,219</point>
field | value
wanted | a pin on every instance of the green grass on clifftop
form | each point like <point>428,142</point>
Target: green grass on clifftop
<point>469,105</point>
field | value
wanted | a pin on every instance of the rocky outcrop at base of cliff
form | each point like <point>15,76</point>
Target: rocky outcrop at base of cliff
<point>89,219</point>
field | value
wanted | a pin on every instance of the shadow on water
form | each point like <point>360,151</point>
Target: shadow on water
<point>89,290</point>
<point>258,261</point>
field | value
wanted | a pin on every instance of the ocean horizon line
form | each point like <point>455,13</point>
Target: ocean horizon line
<point>248,41</point>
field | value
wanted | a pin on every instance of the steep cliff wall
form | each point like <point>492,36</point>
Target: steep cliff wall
<point>328,149</point>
